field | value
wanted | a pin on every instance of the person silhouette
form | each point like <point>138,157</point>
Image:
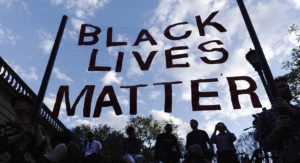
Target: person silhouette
<point>20,140</point>
<point>167,147</point>
<point>92,149</point>
<point>198,137</point>
<point>132,147</point>
<point>224,141</point>
<point>278,129</point>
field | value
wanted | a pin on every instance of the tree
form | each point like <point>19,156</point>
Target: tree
<point>147,130</point>
<point>294,65</point>
<point>79,134</point>
<point>246,143</point>
<point>110,139</point>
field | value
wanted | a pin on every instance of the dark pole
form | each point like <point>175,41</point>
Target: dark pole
<point>47,74</point>
<point>263,79</point>
<point>258,49</point>
<point>251,57</point>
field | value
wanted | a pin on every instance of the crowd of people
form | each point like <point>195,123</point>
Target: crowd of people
<point>277,130</point>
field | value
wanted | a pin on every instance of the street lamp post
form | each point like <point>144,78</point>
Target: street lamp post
<point>251,57</point>
<point>260,54</point>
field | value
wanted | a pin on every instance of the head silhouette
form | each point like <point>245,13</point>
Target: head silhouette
<point>168,128</point>
<point>90,135</point>
<point>196,152</point>
<point>194,124</point>
<point>22,105</point>
<point>282,88</point>
<point>221,127</point>
<point>130,131</point>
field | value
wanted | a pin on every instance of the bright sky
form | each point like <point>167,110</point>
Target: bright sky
<point>28,29</point>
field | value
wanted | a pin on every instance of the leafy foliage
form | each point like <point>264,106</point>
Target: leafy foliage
<point>110,139</point>
<point>294,66</point>
<point>79,134</point>
<point>147,130</point>
<point>246,143</point>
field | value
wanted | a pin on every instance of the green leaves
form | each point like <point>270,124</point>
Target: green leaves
<point>294,65</point>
